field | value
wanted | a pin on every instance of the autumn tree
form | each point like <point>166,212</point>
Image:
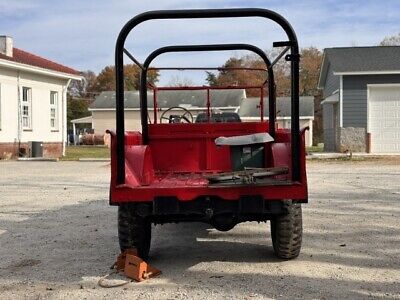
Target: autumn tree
<point>310,65</point>
<point>90,84</point>
<point>309,72</point>
<point>281,72</point>
<point>233,77</point>
<point>105,81</point>
<point>82,93</point>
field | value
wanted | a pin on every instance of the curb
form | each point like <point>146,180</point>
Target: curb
<point>37,159</point>
<point>94,159</point>
<point>327,156</point>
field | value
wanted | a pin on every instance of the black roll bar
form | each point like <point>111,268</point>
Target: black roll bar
<point>196,14</point>
<point>197,48</point>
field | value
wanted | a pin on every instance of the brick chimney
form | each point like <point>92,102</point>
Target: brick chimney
<point>6,45</point>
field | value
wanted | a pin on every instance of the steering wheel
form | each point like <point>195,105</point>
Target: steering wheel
<point>177,118</point>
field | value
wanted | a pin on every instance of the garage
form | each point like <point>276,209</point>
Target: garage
<point>384,117</point>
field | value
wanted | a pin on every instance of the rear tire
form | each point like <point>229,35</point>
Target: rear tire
<point>133,231</point>
<point>287,231</point>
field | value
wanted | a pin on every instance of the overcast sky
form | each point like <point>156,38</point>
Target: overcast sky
<point>82,34</point>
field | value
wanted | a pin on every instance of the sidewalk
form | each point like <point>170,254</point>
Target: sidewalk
<point>336,155</point>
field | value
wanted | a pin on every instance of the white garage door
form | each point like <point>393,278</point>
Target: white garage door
<point>384,118</point>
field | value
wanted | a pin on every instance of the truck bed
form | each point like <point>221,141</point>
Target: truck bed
<point>273,176</point>
<point>181,161</point>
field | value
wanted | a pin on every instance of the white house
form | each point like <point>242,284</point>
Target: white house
<point>33,101</point>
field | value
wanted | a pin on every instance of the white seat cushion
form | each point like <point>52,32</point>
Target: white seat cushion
<point>256,138</point>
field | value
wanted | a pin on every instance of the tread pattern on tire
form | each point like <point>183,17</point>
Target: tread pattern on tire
<point>133,231</point>
<point>287,231</point>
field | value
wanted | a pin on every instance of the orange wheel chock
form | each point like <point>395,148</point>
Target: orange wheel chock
<point>134,267</point>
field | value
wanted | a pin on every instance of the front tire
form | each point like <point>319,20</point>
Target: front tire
<point>133,231</point>
<point>287,231</point>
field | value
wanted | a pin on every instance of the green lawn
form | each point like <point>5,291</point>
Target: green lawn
<point>315,149</point>
<point>77,152</point>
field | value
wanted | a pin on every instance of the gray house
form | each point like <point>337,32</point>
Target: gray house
<point>249,111</point>
<point>103,108</point>
<point>361,106</point>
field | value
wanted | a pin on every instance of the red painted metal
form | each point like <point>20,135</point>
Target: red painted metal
<point>179,155</point>
<point>139,165</point>
<point>191,147</point>
<point>208,105</point>
<point>262,104</point>
<point>208,100</point>
<point>155,105</point>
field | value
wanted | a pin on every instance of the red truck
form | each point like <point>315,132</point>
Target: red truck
<point>212,167</point>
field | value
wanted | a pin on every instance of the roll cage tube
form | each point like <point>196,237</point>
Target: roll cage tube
<point>196,48</point>
<point>293,57</point>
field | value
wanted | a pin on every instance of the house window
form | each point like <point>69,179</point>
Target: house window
<point>53,110</point>
<point>26,108</point>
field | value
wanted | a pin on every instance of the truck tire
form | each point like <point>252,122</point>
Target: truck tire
<point>133,231</point>
<point>287,231</point>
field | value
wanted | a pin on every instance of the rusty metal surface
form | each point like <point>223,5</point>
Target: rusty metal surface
<point>248,176</point>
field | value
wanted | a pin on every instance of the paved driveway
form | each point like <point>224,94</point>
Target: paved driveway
<point>58,235</point>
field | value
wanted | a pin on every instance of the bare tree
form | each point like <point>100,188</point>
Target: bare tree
<point>178,81</point>
<point>393,40</point>
<point>83,88</point>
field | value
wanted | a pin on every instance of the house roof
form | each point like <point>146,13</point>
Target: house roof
<point>23,57</point>
<point>84,120</point>
<point>250,107</point>
<point>170,98</point>
<point>363,60</point>
<point>334,98</point>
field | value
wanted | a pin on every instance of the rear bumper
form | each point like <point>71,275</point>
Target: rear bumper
<point>207,209</point>
<point>125,194</point>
